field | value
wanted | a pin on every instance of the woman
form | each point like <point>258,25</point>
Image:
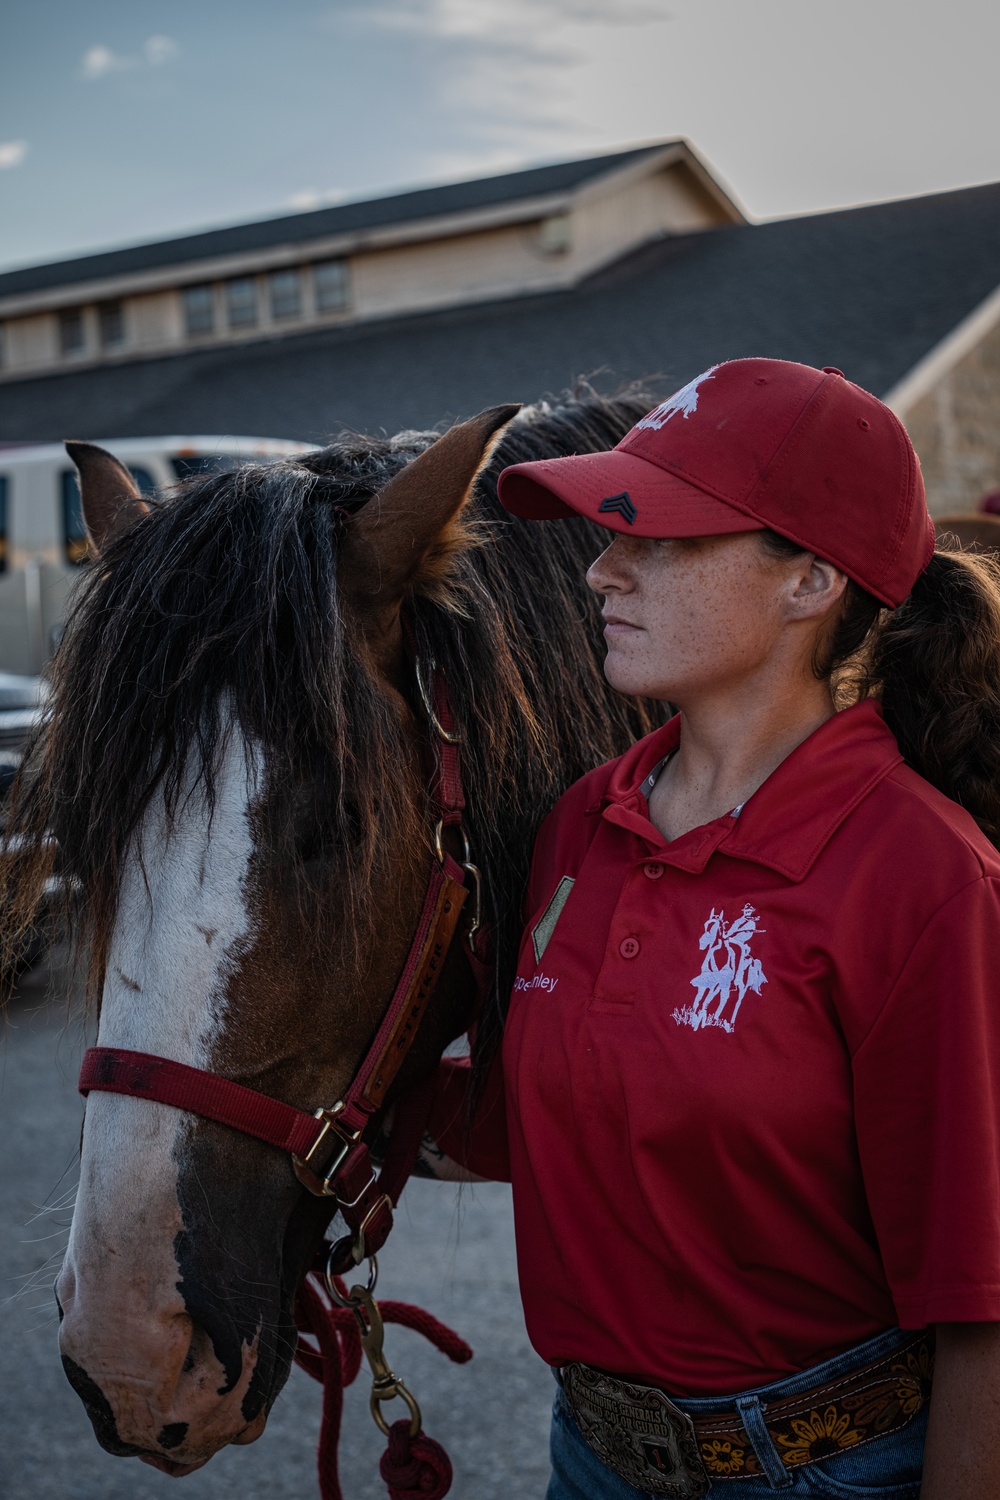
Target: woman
<point>752,1060</point>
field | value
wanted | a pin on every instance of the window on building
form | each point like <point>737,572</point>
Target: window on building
<point>111,324</point>
<point>241,302</point>
<point>330,286</point>
<point>3,523</point>
<point>71,331</point>
<point>199,309</point>
<point>286,294</point>
<point>75,549</point>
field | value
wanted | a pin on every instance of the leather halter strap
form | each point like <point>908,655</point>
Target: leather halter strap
<point>328,1153</point>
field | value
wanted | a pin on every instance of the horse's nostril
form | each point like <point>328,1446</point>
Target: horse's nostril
<point>59,1306</point>
<point>188,1364</point>
<point>98,1410</point>
<point>172,1435</point>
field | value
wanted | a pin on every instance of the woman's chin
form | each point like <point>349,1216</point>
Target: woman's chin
<point>625,678</point>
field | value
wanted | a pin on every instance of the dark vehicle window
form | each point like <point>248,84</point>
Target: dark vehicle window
<point>185,465</point>
<point>143,478</point>
<point>3,522</point>
<point>74,531</point>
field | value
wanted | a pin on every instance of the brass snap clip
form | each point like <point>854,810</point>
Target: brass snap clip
<point>386,1385</point>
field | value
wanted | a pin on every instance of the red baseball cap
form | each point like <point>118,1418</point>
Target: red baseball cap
<point>748,445</point>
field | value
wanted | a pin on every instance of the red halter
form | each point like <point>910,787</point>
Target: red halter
<point>331,1159</point>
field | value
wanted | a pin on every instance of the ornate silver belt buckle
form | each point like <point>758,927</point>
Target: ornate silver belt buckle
<point>638,1432</point>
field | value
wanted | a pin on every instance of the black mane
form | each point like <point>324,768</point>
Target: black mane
<point>224,600</point>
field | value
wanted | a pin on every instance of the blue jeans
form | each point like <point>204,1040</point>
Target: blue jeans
<point>887,1468</point>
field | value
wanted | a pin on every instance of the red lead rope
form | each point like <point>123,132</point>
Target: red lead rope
<point>330,1156</point>
<point>415,1466</point>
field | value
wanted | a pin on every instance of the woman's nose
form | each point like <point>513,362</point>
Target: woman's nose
<point>605,575</point>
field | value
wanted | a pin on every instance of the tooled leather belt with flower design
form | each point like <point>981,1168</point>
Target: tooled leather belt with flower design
<point>652,1444</point>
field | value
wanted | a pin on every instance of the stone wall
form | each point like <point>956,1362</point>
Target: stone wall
<point>955,429</point>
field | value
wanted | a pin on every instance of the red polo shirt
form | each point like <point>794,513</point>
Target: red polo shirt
<point>752,1075</point>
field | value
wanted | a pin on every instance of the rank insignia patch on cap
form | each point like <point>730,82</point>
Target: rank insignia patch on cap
<point>622,504</point>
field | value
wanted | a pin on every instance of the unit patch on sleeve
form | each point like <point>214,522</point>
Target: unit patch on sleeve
<point>546,924</point>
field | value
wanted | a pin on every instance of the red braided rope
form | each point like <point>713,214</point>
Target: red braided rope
<point>416,1467</point>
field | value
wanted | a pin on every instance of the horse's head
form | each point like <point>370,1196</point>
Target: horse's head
<point>234,776</point>
<point>234,779</point>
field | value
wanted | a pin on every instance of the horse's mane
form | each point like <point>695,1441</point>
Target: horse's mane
<point>224,601</point>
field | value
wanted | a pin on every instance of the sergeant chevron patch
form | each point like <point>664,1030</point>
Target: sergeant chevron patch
<point>622,504</point>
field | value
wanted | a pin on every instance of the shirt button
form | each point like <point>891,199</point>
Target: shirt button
<point>628,947</point>
<point>653,870</point>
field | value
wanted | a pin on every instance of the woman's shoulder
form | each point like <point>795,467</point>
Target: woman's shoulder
<point>949,841</point>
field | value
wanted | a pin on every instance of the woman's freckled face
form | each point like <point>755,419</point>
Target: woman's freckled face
<point>690,614</point>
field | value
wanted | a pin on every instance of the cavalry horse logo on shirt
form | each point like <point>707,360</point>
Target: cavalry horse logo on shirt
<point>728,971</point>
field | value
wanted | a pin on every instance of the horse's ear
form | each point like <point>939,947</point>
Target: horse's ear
<point>403,536</point>
<point>111,498</point>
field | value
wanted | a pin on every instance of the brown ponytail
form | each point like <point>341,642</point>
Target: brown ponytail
<point>935,664</point>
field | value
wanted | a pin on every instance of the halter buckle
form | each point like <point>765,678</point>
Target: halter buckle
<point>323,1186</point>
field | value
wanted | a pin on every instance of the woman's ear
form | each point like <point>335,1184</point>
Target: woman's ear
<point>816,587</point>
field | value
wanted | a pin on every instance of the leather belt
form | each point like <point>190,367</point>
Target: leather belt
<point>652,1444</point>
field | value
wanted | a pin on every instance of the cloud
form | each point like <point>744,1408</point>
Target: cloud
<point>99,61</point>
<point>12,153</point>
<point>159,50</point>
<point>507,18</point>
<point>309,198</point>
<point>512,69</point>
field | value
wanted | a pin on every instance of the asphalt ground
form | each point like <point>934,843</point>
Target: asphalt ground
<point>452,1252</point>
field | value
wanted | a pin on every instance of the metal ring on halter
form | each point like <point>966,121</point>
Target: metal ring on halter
<point>387,1393</point>
<point>449,736</point>
<point>329,1276</point>
<point>439,844</point>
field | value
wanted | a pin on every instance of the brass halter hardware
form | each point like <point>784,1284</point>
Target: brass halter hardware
<point>449,736</point>
<point>322,1186</point>
<point>386,1385</point>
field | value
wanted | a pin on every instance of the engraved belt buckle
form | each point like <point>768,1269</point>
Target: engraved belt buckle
<point>638,1432</point>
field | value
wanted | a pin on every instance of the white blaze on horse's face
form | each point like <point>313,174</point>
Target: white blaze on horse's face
<point>183,921</point>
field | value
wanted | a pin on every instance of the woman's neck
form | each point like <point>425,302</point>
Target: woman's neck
<point>728,747</point>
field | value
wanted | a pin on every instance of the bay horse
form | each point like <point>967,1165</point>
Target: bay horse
<point>233,780</point>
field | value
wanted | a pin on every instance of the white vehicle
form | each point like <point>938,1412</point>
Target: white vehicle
<point>42,536</point>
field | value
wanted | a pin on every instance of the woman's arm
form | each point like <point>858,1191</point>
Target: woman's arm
<point>962,1459</point>
<point>454,1151</point>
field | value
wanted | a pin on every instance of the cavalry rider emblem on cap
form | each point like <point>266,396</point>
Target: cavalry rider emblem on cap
<point>684,401</point>
<point>621,503</point>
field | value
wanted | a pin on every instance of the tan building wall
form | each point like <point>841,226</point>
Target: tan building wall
<point>955,429</point>
<point>950,405</point>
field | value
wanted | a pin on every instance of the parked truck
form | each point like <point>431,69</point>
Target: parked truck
<point>43,542</point>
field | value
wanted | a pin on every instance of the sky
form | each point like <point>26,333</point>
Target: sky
<point>131,120</point>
